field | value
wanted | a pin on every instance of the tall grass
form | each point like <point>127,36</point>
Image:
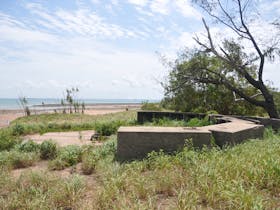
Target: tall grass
<point>40,190</point>
<point>246,176</point>
<point>105,124</point>
<point>194,122</point>
<point>242,177</point>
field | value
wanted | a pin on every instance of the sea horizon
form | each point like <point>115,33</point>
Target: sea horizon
<point>13,103</point>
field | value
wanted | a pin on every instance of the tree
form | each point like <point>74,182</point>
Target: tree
<point>188,95</point>
<point>236,63</point>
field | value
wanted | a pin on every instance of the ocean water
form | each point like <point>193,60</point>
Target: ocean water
<point>13,103</point>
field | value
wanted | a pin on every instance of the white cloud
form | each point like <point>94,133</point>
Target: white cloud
<point>185,8</point>
<point>82,21</point>
<point>141,3</point>
<point>160,6</point>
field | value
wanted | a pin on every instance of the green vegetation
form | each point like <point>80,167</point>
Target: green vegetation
<point>105,124</point>
<point>28,146</point>
<point>66,156</point>
<point>151,106</point>
<point>194,122</point>
<point>229,69</point>
<point>48,150</point>
<point>17,159</point>
<point>242,177</point>
<point>40,190</point>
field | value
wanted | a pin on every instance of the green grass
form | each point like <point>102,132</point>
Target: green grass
<point>194,122</point>
<point>242,177</point>
<point>106,124</point>
<point>39,190</point>
<point>246,176</point>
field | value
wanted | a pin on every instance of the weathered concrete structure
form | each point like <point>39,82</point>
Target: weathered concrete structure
<point>137,142</point>
<point>148,116</point>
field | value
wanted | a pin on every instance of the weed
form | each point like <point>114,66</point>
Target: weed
<point>28,146</point>
<point>48,150</point>
<point>17,130</point>
<point>89,161</point>
<point>66,156</point>
<point>16,159</point>
<point>7,141</point>
<point>40,190</point>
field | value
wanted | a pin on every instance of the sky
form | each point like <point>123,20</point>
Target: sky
<point>107,48</point>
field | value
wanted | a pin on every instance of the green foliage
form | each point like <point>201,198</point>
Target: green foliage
<point>242,177</point>
<point>71,154</point>
<point>57,164</point>
<point>7,140</point>
<point>17,130</point>
<point>151,106</point>
<point>17,159</point>
<point>89,161</point>
<point>67,156</point>
<point>194,122</point>
<point>190,95</point>
<point>107,128</point>
<point>48,150</point>
<point>43,123</point>
<point>28,146</point>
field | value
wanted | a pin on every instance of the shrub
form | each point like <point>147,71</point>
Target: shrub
<point>28,146</point>
<point>150,106</point>
<point>16,159</point>
<point>57,164</point>
<point>48,150</point>
<point>7,141</point>
<point>107,128</point>
<point>17,130</point>
<point>89,161</point>
<point>71,154</point>
<point>195,122</point>
<point>108,148</point>
<point>66,156</point>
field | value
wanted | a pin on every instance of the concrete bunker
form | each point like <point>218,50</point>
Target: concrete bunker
<point>137,141</point>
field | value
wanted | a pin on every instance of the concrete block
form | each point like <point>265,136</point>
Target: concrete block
<point>137,142</point>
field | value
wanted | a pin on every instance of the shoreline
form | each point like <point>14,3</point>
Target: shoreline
<point>8,115</point>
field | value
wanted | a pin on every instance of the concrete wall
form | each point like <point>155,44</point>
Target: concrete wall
<point>137,142</point>
<point>148,116</point>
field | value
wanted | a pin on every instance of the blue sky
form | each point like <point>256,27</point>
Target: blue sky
<point>107,48</point>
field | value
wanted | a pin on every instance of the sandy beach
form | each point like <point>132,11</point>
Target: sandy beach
<point>7,116</point>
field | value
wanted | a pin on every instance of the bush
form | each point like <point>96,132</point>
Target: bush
<point>18,130</point>
<point>150,106</point>
<point>7,141</point>
<point>89,161</point>
<point>195,122</point>
<point>28,146</point>
<point>48,150</point>
<point>107,128</point>
<point>58,164</point>
<point>16,159</point>
<point>66,156</point>
<point>71,154</point>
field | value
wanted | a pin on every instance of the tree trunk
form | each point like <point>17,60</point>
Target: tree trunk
<point>271,109</point>
<point>269,104</point>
